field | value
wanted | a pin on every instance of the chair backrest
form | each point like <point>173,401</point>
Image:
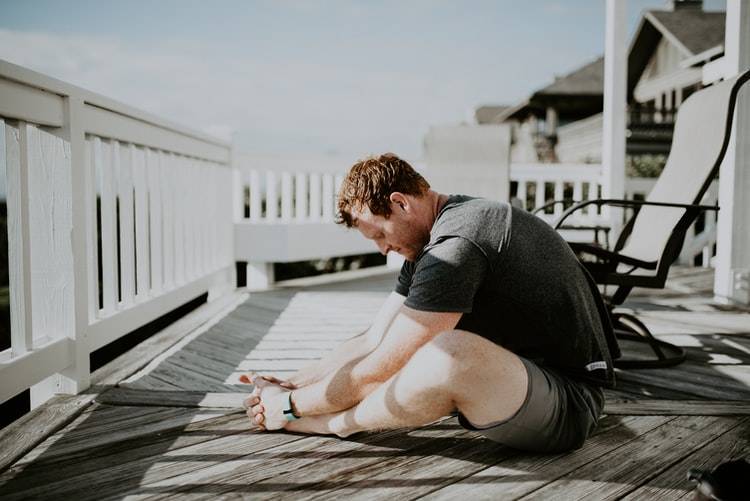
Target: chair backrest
<point>699,142</point>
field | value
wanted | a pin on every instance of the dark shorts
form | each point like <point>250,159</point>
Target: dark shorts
<point>558,414</point>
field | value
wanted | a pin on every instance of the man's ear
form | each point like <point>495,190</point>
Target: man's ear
<point>400,200</point>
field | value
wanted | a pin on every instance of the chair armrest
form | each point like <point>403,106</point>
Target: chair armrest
<point>628,203</point>
<point>549,204</point>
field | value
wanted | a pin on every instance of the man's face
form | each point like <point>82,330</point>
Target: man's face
<point>397,233</point>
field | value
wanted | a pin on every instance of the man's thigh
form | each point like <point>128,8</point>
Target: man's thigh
<point>557,414</point>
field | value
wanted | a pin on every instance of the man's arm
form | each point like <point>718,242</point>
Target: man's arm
<point>353,381</point>
<point>354,348</point>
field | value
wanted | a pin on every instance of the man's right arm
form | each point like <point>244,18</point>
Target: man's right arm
<point>356,347</point>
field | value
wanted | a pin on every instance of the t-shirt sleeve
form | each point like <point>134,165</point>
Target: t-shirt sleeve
<point>447,276</point>
<point>404,278</point>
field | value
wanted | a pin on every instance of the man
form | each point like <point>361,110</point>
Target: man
<point>492,317</point>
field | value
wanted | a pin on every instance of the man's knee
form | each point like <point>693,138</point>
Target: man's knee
<point>450,350</point>
<point>462,352</point>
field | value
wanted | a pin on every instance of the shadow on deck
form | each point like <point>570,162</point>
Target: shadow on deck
<point>174,427</point>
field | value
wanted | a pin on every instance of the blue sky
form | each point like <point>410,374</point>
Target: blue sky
<point>345,77</point>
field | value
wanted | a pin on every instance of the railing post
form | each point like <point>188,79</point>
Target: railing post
<point>615,97</point>
<point>76,377</point>
<point>732,280</point>
<point>259,275</point>
<point>19,239</point>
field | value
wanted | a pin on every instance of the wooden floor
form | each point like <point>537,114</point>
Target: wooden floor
<point>173,428</point>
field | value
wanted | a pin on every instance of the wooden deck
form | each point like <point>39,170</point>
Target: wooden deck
<point>173,427</point>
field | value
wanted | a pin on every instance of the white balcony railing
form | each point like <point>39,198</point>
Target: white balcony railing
<point>114,219</point>
<point>289,216</point>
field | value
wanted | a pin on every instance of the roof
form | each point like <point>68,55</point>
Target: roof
<point>487,114</point>
<point>581,89</point>
<point>696,30</point>
<point>692,31</point>
<point>588,79</point>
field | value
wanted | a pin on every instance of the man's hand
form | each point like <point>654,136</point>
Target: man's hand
<point>268,400</point>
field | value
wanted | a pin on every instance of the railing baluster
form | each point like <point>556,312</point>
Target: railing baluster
<point>300,196</point>
<point>255,196</point>
<point>577,191</point>
<point>155,230</point>
<point>315,202</point>
<point>521,193</point>
<point>123,167</point>
<point>558,196</point>
<point>178,192</point>
<point>205,185</point>
<point>328,197</point>
<point>141,224</point>
<point>168,238</point>
<point>286,196</point>
<point>193,217</point>
<point>19,238</point>
<point>105,160</point>
<point>272,198</point>
<point>539,194</point>
<point>92,232</point>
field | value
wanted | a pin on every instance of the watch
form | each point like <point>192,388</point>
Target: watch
<point>288,410</point>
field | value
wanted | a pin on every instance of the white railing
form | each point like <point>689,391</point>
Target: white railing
<point>537,184</point>
<point>115,218</point>
<point>289,216</point>
<point>270,196</point>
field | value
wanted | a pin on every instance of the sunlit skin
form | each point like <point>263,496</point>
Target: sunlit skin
<point>407,229</point>
<point>409,368</point>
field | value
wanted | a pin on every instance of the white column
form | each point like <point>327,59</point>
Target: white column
<point>615,98</point>
<point>260,276</point>
<point>732,282</point>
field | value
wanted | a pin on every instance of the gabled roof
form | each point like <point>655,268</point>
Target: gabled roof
<point>692,31</point>
<point>488,114</point>
<point>588,79</point>
<point>696,30</point>
<point>585,82</point>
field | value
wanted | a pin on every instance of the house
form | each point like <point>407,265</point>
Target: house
<point>669,58</point>
<point>534,121</point>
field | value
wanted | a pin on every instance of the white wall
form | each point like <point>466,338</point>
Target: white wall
<point>469,159</point>
<point>580,141</point>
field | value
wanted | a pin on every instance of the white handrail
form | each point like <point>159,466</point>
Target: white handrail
<point>115,218</point>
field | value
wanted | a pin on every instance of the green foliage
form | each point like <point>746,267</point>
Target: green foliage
<point>646,165</point>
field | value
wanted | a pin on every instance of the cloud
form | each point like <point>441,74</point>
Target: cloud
<point>271,105</point>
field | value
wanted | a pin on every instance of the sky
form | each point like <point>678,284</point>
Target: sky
<point>348,78</point>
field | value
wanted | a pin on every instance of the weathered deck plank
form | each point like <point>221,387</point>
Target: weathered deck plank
<point>619,472</point>
<point>672,484</point>
<point>173,428</point>
<point>525,473</point>
<point>32,429</point>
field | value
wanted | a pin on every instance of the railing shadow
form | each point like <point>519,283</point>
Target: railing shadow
<point>159,447</point>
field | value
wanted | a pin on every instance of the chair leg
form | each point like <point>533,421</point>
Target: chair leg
<point>628,327</point>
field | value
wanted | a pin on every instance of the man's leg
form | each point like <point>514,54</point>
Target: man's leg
<point>456,370</point>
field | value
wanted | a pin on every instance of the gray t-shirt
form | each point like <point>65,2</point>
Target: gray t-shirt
<point>517,284</point>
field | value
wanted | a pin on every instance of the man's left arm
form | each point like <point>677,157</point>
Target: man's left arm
<point>347,386</point>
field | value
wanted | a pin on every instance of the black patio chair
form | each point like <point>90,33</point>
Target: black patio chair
<point>651,240</point>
